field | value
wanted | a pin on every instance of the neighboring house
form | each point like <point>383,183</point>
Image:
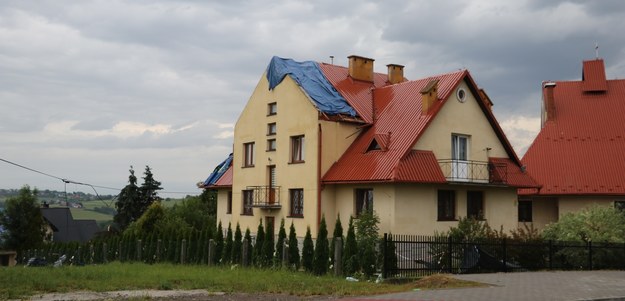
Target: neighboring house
<point>62,227</point>
<point>319,139</point>
<point>578,157</point>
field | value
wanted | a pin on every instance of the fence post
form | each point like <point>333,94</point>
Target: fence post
<point>505,255</point>
<point>338,256</point>
<point>384,259</point>
<point>245,252</point>
<point>550,254</point>
<point>449,252</point>
<point>211,252</point>
<point>138,250</point>
<point>183,251</point>
<point>105,253</point>
<point>119,250</point>
<point>590,255</point>
<point>158,250</point>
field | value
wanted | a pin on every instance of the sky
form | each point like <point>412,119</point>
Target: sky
<point>90,88</point>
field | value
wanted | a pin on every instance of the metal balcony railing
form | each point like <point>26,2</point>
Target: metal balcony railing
<point>474,171</point>
<point>266,197</point>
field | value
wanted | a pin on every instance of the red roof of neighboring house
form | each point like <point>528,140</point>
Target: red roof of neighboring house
<point>581,148</point>
<point>397,124</point>
<point>225,180</point>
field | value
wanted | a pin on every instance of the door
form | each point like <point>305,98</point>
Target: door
<point>459,157</point>
<point>271,197</point>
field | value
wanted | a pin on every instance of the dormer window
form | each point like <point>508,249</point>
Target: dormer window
<point>374,146</point>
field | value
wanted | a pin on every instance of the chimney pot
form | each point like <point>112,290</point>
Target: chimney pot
<point>361,68</point>
<point>395,73</point>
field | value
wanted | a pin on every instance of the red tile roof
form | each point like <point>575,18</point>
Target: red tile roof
<point>225,180</point>
<point>398,116</point>
<point>581,151</point>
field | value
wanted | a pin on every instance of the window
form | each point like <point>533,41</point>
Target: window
<point>297,149</point>
<point>271,129</point>
<point>248,154</point>
<point>248,201</point>
<point>272,109</point>
<point>271,144</point>
<point>229,203</point>
<point>525,211</point>
<point>446,205</point>
<point>475,205</point>
<point>619,205</point>
<point>296,200</point>
<point>364,200</point>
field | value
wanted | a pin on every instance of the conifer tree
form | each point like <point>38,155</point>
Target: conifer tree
<point>237,245</point>
<point>257,257</point>
<point>293,248</point>
<point>308,252</point>
<point>248,244</point>
<point>219,243</point>
<point>268,246</point>
<point>280,244</point>
<point>322,250</point>
<point>338,232</point>
<point>367,237</point>
<point>350,252</point>
<point>227,252</point>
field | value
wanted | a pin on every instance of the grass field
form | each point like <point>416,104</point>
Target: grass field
<point>90,214</point>
<point>19,282</point>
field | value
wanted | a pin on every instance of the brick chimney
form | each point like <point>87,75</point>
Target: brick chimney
<point>395,73</point>
<point>429,96</point>
<point>549,102</point>
<point>361,68</point>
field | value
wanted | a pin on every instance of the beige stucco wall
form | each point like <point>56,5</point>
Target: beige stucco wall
<point>222,199</point>
<point>466,119</point>
<point>569,204</point>
<point>413,208</point>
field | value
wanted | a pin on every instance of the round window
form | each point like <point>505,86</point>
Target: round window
<point>461,95</point>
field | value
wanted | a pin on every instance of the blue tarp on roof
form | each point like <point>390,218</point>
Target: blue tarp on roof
<point>218,172</point>
<point>308,75</point>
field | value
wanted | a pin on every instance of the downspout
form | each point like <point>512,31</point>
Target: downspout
<point>319,141</point>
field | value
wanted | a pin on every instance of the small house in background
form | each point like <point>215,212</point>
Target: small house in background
<point>317,139</point>
<point>579,154</point>
<point>8,258</point>
<point>62,227</point>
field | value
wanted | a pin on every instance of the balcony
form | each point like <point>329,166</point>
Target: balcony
<point>461,171</point>
<point>266,197</point>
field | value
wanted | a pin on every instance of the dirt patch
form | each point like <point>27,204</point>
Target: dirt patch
<point>440,281</point>
<point>197,295</point>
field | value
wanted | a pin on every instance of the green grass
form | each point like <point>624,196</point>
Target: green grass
<point>89,214</point>
<point>19,282</point>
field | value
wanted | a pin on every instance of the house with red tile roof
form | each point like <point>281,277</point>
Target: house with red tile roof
<point>578,156</point>
<point>318,139</point>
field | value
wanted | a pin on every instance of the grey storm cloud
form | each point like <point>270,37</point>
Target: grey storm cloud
<point>88,88</point>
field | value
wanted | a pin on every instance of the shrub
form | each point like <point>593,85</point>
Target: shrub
<point>268,246</point>
<point>237,245</point>
<point>294,259</point>
<point>280,244</point>
<point>257,257</point>
<point>367,238</point>
<point>219,243</point>
<point>227,252</point>
<point>351,264</point>
<point>322,250</point>
<point>308,252</point>
<point>338,232</point>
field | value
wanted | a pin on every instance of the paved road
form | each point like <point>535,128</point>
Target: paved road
<point>586,285</point>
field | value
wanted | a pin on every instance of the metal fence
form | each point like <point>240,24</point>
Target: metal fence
<point>417,256</point>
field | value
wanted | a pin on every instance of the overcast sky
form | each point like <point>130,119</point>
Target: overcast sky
<point>88,88</point>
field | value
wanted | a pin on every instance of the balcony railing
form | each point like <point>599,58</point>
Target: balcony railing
<point>266,197</point>
<point>474,171</point>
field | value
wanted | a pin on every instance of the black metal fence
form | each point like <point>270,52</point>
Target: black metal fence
<point>418,256</point>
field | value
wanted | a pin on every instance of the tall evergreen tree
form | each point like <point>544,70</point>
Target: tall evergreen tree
<point>367,237</point>
<point>22,221</point>
<point>293,248</point>
<point>351,264</point>
<point>322,250</point>
<point>308,252</point>
<point>149,189</point>
<point>227,252</point>
<point>258,245</point>
<point>127,205</point>
<point>133,200</point>
<point>280,244</point>
<point>219,243</point>
<point>268,246</point>
<point>247,244</point>
<point>237,245</point>
<point>338,232</point>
